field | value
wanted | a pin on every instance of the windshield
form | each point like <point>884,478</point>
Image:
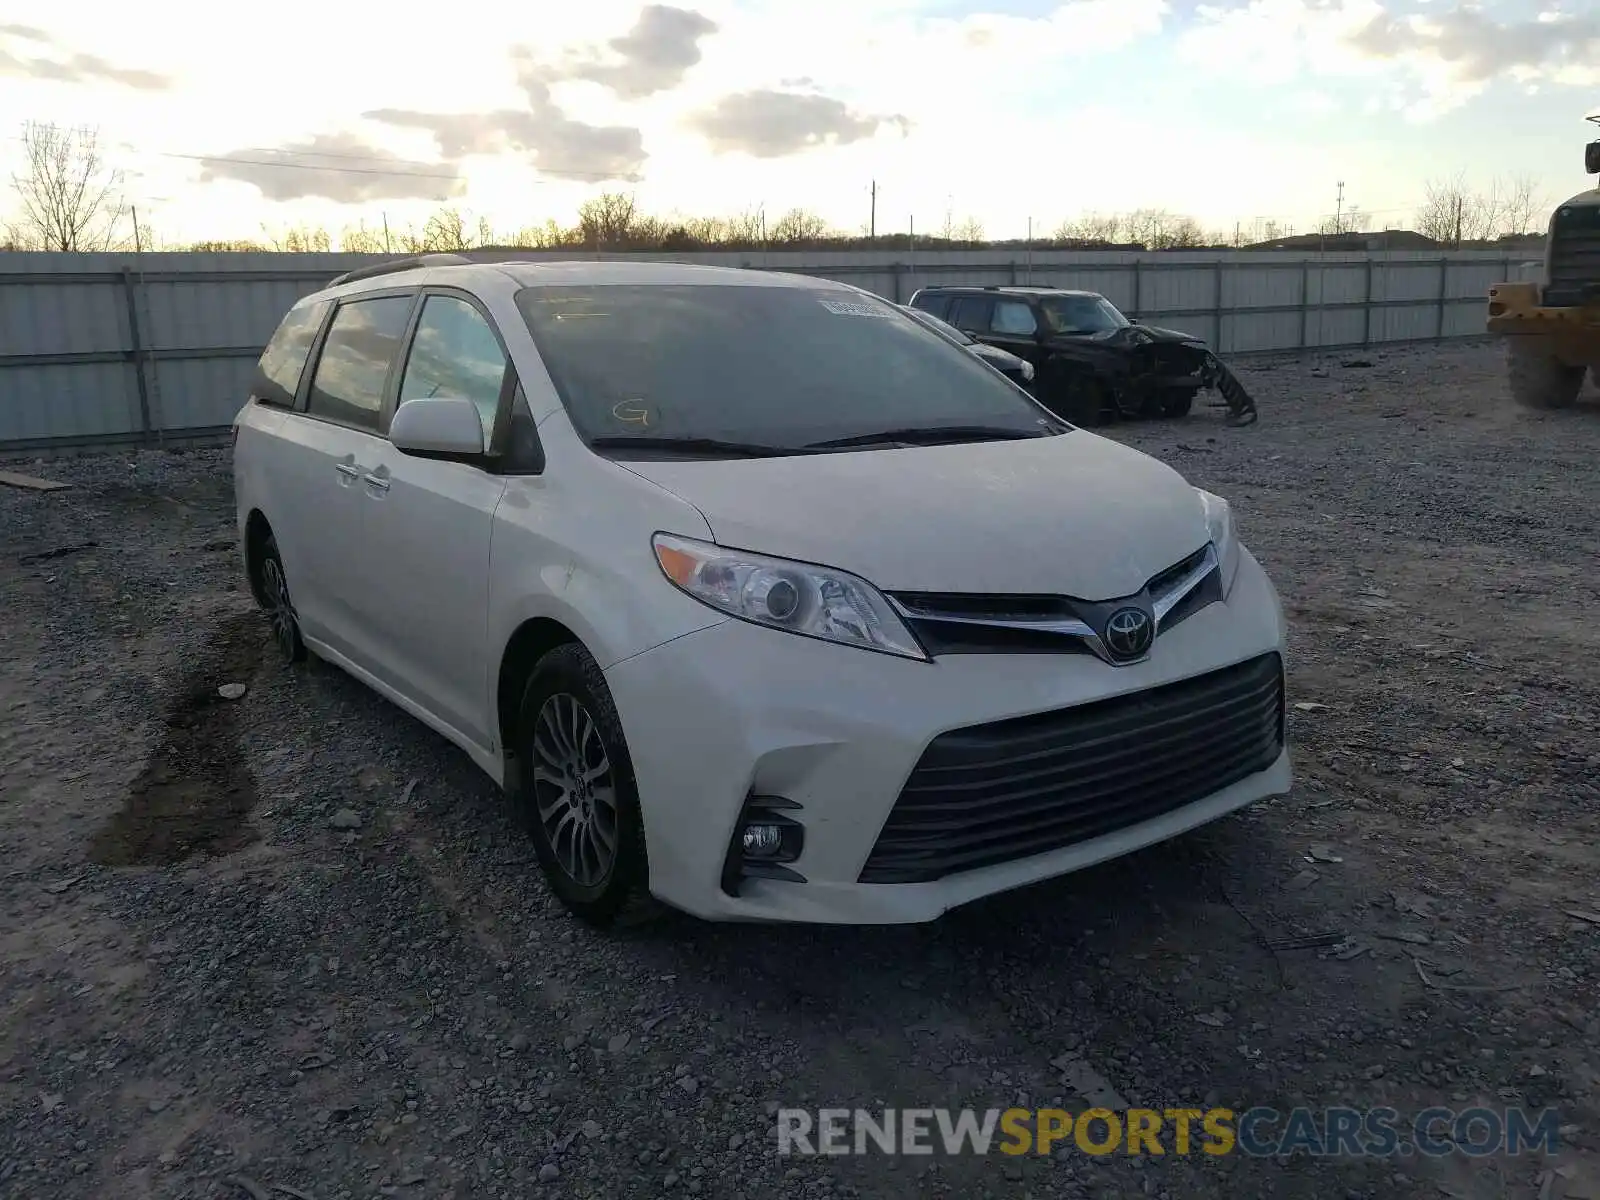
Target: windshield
<point>938,326</point>
<point>786,367</point>
<point>1082,314</point>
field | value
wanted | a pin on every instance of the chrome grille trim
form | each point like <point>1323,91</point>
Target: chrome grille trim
<point>1163,599</point>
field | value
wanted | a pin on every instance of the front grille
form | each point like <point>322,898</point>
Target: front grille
<point>1574,255</point>
<point>1007,790</point>
<point>1021,623</point>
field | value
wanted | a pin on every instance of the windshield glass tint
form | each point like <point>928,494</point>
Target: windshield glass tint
<point>774,366</point>
<point>1082,314</point>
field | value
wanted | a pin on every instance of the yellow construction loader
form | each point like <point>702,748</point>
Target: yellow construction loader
<point>1552,328</point>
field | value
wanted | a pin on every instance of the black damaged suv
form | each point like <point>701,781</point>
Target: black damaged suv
<point>1090,361</point>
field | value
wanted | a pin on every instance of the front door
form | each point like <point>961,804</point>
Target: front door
<point>1013,327</point>
<point>428,525</point>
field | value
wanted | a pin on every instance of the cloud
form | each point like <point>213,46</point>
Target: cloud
<point>1473,48</point>
<point>1425,64</point>
<point>74,68</point>
<point>556,143</point>
<point>343,168</point>
<point>770,124</point>
<point>652,57</point>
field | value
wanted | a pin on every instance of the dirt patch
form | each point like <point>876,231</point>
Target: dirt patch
<point>195,793</point>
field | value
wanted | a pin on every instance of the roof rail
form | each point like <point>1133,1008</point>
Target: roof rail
<point>400,264</point>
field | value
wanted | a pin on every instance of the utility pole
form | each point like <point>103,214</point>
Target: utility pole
<point>137,248</point>
<point>872,220</point>
<point>1338,212</point>
<point>386,249</point>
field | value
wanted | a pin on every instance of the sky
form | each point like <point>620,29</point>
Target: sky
<point>226,119</point>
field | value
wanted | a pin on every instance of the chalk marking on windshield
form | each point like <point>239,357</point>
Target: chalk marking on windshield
<point>849,308</point>
<point>634,412</point>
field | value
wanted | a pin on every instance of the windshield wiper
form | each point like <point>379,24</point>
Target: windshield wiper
<point>928,435</point>
<point>710,447</point>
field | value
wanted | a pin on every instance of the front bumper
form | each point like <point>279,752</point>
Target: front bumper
<point>735,710</point>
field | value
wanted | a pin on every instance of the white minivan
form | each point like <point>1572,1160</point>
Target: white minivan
<point>753,593</point>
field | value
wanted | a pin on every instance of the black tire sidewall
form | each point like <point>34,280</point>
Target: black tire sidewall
<point>571,670</point>
<point>269,553</point>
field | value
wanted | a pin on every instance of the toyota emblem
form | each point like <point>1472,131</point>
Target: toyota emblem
<point>1129,632</point>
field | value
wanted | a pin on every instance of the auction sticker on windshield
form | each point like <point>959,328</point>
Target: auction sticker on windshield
<point>851,308</point>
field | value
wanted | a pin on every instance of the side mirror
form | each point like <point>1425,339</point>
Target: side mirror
<point>438,427</point>
<point>1591,158</point>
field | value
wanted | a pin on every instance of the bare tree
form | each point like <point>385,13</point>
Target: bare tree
<point>1091,227</point>
<point>1452,213</point>
<point>299,239</point>
<point>797,225</point>
<point>225,246</point>
<point>748,228</point>
<point>608,219</point>
<point>1522,205</point>
<point>1349,220</point>
<point>13,237</point>
<point>71,199</point>
<point>970,230</point>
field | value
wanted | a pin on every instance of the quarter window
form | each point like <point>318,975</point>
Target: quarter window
<point>361,345</point>
<point>455,353</point>
<point>284,359</point>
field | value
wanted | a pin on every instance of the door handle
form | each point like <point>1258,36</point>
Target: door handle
<point>348,470</point>
<point>381,482</point>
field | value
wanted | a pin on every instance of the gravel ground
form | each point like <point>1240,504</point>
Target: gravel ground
<point>295,942</point>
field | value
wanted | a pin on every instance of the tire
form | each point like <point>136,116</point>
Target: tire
<point>272,593</point>
<point>1079,398</point>
<point>1537,379</point>
<point>1178,404</point>
<point>568,732</point>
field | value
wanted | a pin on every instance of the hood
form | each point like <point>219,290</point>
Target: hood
<point>1076,514</point>
<point>1168,335</point>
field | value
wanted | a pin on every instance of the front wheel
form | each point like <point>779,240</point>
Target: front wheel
<point>578,798</point>
<point>1537,378</point>
<point>1079,397</point>
<point>1178,403</point>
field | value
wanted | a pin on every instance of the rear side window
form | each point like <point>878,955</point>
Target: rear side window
<point>282,362</point>
<point>360,347</point>
<point>939,306</point>
<point>972,314</point>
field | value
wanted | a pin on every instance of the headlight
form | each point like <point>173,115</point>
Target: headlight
<point>1219,523</point>
<point>797,597</point>
<point>1027,371</point>
<point>1138,337</point>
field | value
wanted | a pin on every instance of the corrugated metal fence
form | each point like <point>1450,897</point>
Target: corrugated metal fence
<point>152,348</point>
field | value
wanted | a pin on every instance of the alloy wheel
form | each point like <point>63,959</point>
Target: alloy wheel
<point>280,608</point>
<point>574,789</point>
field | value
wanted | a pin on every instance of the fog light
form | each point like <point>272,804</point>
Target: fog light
<point>761,841</point>
<point>764,839</point>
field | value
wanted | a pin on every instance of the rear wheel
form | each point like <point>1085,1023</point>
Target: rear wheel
<point>1537,378</point>
<point>273,592</point>
<point>577,795</point>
